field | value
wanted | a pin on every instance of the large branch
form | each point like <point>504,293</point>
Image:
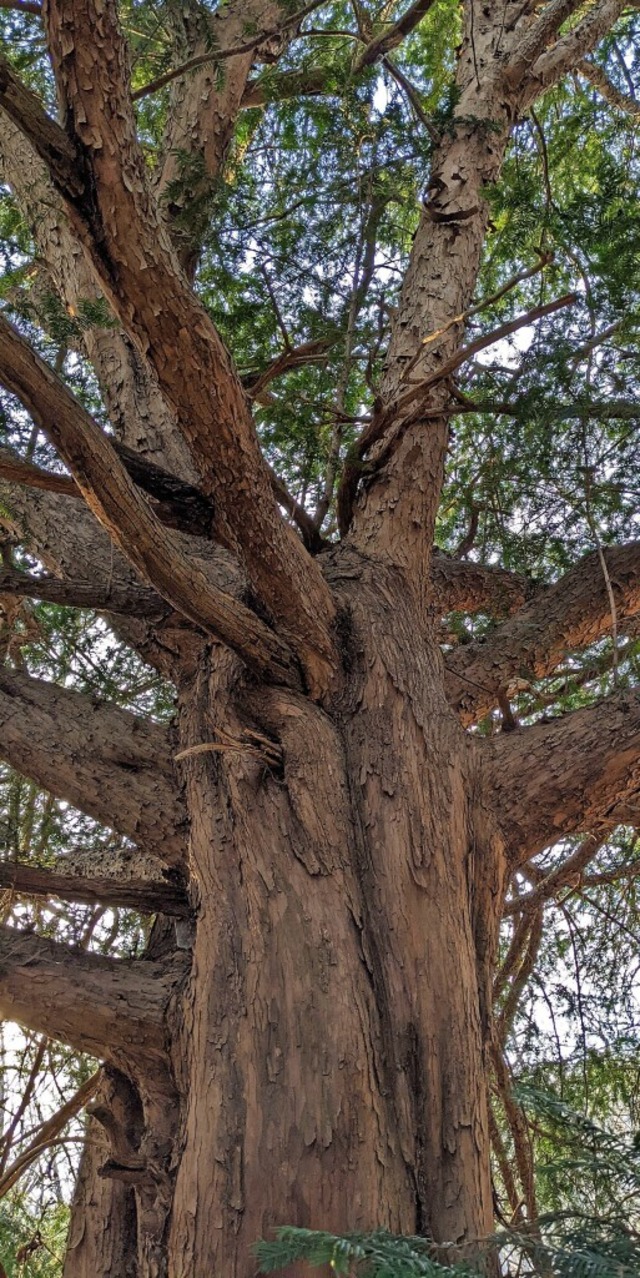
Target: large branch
<point>109,763</point>
<point>117,220</point>
<point>53,146</point>
<point>132,601</point>
<point>176,503</point>
<point>112,1008</point>
<point>63,534</point>
<point>460,585</point>
<point>147,896</point>
<point>120,508</point>
<point>578,772</point>
<point>569,615</point>
<point>609,91</point>
<point>396,508</point>
<point>61,530</point>
<point>536,38</point>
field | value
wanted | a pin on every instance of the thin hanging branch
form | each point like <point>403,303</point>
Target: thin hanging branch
<point>48,1133</point>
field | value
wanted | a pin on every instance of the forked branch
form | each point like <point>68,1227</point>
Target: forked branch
<point>567,52</point>
<point>121,509</point>
<point>118,223</point>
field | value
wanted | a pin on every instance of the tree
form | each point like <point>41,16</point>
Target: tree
<point>254,417</point>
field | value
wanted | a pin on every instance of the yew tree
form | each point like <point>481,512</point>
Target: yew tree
<point>319,348</point>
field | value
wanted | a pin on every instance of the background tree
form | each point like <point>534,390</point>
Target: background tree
<point>319,350</point>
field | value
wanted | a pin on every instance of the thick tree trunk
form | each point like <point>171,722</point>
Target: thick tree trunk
<point>329,1044</point>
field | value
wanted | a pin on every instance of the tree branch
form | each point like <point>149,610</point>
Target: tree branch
<point>112,1008</point>
<point>572,48</point>
<point>288,84</point>
<point>569,615</point>
<point>113,498</point>
<point>15,469</point>
<point>407,407</point>
<point>147,896</point>
<point>578,772</point>
<point>130,601</point>
<point>390,37</point>
<point>50,141</point>
<point>557,880</point>
<point>203,111</point>
<point>117,221</point>
<point>177,504</point>
<point>211,56</point>
<point>460,585</point>
<point>537,37</point>
<point>109,763</point>
<point>600,81</point>
<point>138,413</point>
<point>22,6</point>
<point>310,535</point>
<point>63,534</point>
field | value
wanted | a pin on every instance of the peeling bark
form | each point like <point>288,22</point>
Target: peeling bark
<point>460,585</point>
<point>138,413</point>
<point>129,248</point>
<point>203,113</point>
<point>324,1061</point>
<point>113,498</point>
<point>148,896</point>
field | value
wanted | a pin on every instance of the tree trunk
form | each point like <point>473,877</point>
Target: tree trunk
<point>329,1044</point>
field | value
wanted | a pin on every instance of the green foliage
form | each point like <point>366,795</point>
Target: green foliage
<point>32,1244</point>
<point>561,1248</point>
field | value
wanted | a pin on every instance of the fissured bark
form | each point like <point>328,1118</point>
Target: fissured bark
<point>329,1044</point>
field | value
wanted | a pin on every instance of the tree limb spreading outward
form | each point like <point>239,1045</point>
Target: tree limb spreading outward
<point>562,618</point>
<point>113,497</point>
<point>578,772</point>
<point>193,367</point>
<point>112,1008</point>
<point>111,764</point>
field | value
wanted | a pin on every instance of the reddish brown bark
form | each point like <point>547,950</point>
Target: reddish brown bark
<point>563,618</point>
<point>113,765</point>
<point>322,1059</point>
